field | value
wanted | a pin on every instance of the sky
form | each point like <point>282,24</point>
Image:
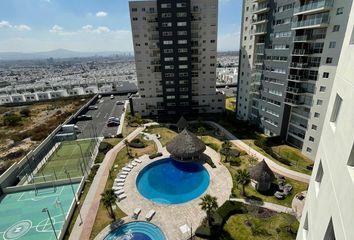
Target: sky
<point>88,25</point>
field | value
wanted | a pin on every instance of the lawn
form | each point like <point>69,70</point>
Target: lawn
<point>249,226</point>
<point>112,141</point>
<point>165,133</point>
<point>122,158</point>
<point>212,142</point>
<point>266,197</point>
<point>68,156</point>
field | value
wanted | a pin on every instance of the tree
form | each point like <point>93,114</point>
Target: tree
<point>226,149</point>
<point>126,142</point>
<point>252,160</point>
<point>11,119</point>
<point>26,112</point>
<point>209,204</point>
<point>201,131</point>
<point>108,199</point>
<point>243,177</point>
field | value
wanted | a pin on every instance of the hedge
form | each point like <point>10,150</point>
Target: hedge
<point>155,155</point>
<point>105,147</point>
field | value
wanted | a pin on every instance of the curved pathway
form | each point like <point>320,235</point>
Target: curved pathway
<point>92,201</point>
<point>273,165</point>
<point>268,205</point>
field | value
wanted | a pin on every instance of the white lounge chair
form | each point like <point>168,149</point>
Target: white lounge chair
<point>120,180</point>
<point>119,192</point>
<point>150,214</point>
<point>117,188</point>
<point>123,176</point>
<point>134,164</point>
<point>136,213</point>
<point>118,184</point>
<point>125,172</point>
<point>122,196</point>
<point>138,160</point>
<point>126,169</point>
<point>130,166</point>
<point>122,173</point>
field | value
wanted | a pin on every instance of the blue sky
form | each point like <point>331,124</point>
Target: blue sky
<point>87,25</point>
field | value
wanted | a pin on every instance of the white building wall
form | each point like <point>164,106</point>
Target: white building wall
<point>332,196</point>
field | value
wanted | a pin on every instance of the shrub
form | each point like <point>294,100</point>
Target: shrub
<point>231,152</point>
<point>213,146</point>
<point>26,112</point>
<point>11,119</point>
<point>100,157</point>
<point>230,208</point>
<point>105,147</point>
<point>203,232</point>
<point>235,161</point>
<point>93,172</point>
<point>155,155</point>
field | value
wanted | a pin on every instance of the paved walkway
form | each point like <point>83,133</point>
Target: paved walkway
<point>92,201</point>
<point>154,138</point>
<point>268,205</point>
<point>273,165</point>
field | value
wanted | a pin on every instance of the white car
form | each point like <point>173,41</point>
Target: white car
<point>112,96</point>
<point>92,107</point>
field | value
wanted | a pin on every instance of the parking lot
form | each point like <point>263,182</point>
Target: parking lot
<point>98,125</point>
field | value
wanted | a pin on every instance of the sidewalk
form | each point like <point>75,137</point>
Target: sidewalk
<point>268,205</point>
<point>92,201</point>
<point>273,165</point>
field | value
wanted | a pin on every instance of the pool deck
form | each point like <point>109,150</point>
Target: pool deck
<point>170,217</point>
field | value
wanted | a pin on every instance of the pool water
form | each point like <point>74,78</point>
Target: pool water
<point>171,182</point>
<point>136,231</point>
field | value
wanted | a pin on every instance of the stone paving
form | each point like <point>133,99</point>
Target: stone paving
<point>268,205</point>
<point>171,217</point>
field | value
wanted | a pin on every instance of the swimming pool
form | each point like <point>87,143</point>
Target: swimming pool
<point>168,181</point>
<point>136,231</point>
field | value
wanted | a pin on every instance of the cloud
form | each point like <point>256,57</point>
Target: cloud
<point>101,14</point>
<point>102,29</point>
<point>5,24</point>
<point>56,29</point>
<point>99,30</point>
<point>87,28</point>
<point>22,27</point>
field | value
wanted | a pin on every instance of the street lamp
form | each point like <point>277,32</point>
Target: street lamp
<point>51,222</point>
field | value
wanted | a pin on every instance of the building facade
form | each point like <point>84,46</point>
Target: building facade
<point>289,55</point>
<point>328,212</point>
<point>175,47</point>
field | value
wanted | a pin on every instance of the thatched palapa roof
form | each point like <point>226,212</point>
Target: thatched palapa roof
<point>182,124</point>
<point>262,173</point>
<point>185,146</point>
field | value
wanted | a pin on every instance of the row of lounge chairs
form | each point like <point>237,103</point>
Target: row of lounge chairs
<point>118,185</point>
<point>148,216</point>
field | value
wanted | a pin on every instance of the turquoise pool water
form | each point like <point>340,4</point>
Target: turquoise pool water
<point>171,182</point>
<point>136,231</point>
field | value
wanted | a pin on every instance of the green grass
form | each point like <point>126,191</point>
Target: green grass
<point>67,156</point>
<point>165,133</point>
<point>266,197</point>
<point>263,228</point>
<point>212,142</point>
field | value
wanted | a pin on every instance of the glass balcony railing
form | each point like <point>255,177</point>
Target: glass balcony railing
<point>311,22</point>
<point>313,6</point>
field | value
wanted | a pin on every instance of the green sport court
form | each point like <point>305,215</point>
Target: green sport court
<point>70,155</point>
<point>21,215</point>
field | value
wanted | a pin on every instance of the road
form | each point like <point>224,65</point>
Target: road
<point>98,125</point>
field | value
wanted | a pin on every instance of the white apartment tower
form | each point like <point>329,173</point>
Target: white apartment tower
<point>329,207</point>
<point>288,59</point>
<point>175,47</point>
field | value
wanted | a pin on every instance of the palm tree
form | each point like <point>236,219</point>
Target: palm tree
<point>226,146</point>
<point>243,177</point>
<point>108,199</point>
<point>209,204</point>
<point>126,142</point>
<point>201,131</point>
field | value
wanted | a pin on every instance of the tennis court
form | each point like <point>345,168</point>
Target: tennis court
<point>24,217</point>
<point>74,156</point>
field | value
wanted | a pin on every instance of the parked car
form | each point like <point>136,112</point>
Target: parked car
<point>119,102</point>
<point>92,107</point>
<point>112,96</point>
<point>112,124</point>
<point>84,117</point>
<point>99,96</point>
<point>113,119</point>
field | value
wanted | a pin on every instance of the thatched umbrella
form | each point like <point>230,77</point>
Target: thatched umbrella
<point>185,146</point>
<point>262,176</point>
<point>181,124</point>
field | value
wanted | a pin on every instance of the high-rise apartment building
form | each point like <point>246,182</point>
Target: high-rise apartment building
<point>329,207</point>
<point>288,58</point>
<point>175,46</point>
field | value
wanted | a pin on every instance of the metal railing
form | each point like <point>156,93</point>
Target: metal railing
<point>311,22</point>
<point>313,5</point>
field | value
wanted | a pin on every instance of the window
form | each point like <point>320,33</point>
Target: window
<point>166,15</point>
<point>332,44</point>
<point>182,50</point>
<point>340,10</point>
<point>306,227</point>
<point>319,177</point>
<point>180,5</point>
<point>329,60</point>
<point>184,41</point>
<point>167,42</point>
<point>134,9</point>
<point>168,59</point>
<point>314,127</point>
<point>351,158</point>
<point>311,139</point>
<point>322,88</point>
<point>183,66</point>
<point>166,5</point>
<point>181,33</point>
<point>336,108</point>
<point>171,97</point>
<point>167,34</point>
<point>181,24</point>
<point>316,115</point>
<point>336,28</point>
<point>325,75</point>
<point>182,58</point>
<point>166,24</point>
<point>181,14</point>
<point>168,50</point>
<point>319,102</point>
<point>352,37</point>
<point>183,74</point>
<point>169,67</point>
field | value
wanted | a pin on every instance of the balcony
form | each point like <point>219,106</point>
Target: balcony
<point>259,31</point>
<point>261,20</point>
<point>311,23</point>
<point>293,102</point>
<point>301,52</point>
<point>314,7</point>
<point>307,38</point>
<point>261,8</point>
<point>298,78</point>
